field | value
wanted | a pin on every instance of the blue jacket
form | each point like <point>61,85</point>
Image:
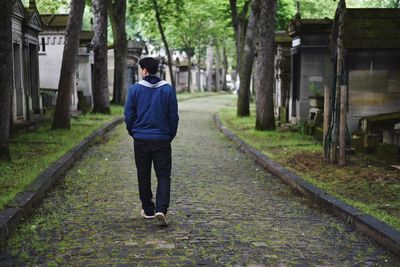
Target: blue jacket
<point>151,110</point>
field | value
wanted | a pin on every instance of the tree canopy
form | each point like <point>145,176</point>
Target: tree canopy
<point>193,23</point>
<point>51,6</point>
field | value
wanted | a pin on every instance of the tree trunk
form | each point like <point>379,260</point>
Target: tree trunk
<point>210,60</point>
<point>244,60</point>
<point>217,68</point>
<point>101,102</point>
<point>6,77</point>
<point>246,67</point>
<point>339,72</point>
<point>264,82</point>
<point>117,9</point>
<point>225,68</point>
<point>189,73</point>
<point>164,39</point>
<point>239,23</point>
<point>342,126</point>
<point>327,116</point>
<point>67,76</point>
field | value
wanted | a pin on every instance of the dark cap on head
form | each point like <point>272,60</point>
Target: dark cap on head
<point>149,63</point>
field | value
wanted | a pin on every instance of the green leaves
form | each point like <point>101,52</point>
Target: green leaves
<point>52,7</point>
<point>285,12</point>
<point>187,24</point>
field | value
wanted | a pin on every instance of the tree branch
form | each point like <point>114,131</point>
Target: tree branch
<point>245,9</point>
<point>234,14</point>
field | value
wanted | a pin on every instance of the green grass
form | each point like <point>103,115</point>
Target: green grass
<point>366,184</point>
<point>268,142</point>
<point>34,151</point>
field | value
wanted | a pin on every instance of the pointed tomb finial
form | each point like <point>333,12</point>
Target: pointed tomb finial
<point>32,4</point>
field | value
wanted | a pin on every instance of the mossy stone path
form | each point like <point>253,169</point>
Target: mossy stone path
<point>225,210</point>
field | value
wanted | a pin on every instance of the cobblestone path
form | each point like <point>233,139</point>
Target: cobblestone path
<point>225,210</point>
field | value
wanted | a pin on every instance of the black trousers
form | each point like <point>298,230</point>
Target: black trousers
<point>158,153</point>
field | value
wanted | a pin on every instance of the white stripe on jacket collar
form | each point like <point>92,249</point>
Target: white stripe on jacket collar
<point>155,85</point>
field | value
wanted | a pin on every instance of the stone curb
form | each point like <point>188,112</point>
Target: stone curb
<point>24,202</point>
<point>372,227</point>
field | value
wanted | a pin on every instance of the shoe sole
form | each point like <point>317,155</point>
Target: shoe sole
<point>161,219</point>
<point>146,216</point>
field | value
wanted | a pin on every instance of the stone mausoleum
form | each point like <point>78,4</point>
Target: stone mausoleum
<point>134,52</point>
<point>282,75</point>
<point>52,40</point>
<point>311,64</point>
<point>371,42</point>
<point>26,99</point>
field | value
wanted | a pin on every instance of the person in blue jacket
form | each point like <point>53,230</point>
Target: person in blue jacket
<point>151,118</point>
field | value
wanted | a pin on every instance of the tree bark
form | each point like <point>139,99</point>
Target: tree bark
<point>6,77</point>
<point>189,72</point>
<point>339,72</point>
<point>239,23</point>
<point>327,116</point>
<point>246,67</point>
<point>164,39</point>
<point>342,126</point>
<point>210,59</point>
<point>225,67</point>
<point>217,68</point>
<point>117,10</point>
<point>264,82</point>
<point>101,102</point>
<point>62,112</point>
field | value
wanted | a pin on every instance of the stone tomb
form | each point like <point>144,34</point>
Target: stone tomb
<point>312,67</point>
<point>372,59</point>
<point>134,52</point>
<point>282,75</point>
<point>26,99</point>
<point>52,40</point>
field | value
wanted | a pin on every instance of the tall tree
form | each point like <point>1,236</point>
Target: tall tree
<point>153,19</point>
<point>218,78</point>
<point>224,66</point>
<point>6,76</point>
<point>210,64</point>
<point>239,24</point>
<point>265,119</point>
<point>117,11</point>
<point>245,44</point>
<point>67,76</point>
<point>157,10</point>
<point>188,25</point>
<point>101,102</point>
<point>191,28</point>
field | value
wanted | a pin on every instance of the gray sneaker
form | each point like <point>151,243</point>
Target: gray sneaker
<point>146,216</point>
<point>161,218</point>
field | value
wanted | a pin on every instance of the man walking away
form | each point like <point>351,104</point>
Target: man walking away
<point>151,117</point>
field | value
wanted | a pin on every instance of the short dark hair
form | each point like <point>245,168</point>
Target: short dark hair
<point>149,63</point>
